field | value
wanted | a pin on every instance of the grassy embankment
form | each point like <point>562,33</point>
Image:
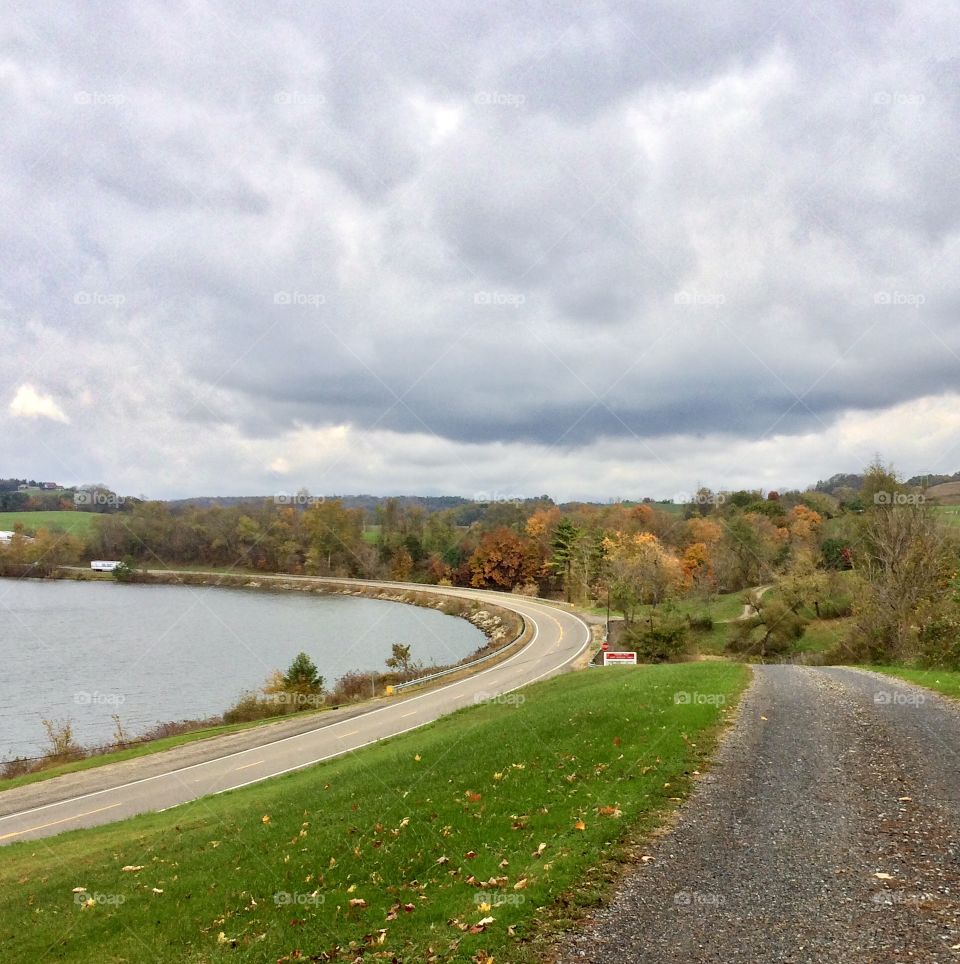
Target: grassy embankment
<point>76,523</point>
<point>456,841</point>
<point>943,681</point>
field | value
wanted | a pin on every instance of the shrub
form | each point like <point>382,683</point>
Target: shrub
<point>665,635</point>
<point>700,621</point>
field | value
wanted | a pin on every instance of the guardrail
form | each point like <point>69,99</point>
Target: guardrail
<point>462,666</point>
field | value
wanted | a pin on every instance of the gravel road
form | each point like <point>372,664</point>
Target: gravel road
<point>828,829</point>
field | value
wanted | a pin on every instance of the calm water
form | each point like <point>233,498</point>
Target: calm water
<point>157,653</point>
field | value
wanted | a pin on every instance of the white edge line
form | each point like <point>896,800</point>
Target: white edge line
<point>433,692</point>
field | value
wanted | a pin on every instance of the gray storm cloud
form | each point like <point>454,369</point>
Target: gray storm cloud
<point>497,229</point>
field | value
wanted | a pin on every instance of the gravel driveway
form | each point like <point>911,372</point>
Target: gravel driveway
<point>828,829</point>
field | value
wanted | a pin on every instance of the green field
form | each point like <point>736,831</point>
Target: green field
<point>76,523</point>
<point>949,514</point>
<point>941,680</point>
<point>471,837</point>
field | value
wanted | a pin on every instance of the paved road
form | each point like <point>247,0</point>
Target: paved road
<point>828,830</point>
<point>110,793</point>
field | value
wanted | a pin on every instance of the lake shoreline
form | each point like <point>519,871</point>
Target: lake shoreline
<point>501,628</point>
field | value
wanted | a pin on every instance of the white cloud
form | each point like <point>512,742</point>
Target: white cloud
<point>29,403</point>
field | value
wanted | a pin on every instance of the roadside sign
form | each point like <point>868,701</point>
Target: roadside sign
<point>619,659</point>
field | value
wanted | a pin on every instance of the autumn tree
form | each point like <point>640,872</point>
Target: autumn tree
<point>502,560</point>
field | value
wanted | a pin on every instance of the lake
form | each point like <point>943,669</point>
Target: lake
<point>86,650</point>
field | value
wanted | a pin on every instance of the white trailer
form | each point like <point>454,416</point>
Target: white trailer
<point>104,565</point>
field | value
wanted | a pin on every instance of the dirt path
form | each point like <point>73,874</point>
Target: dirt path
<point>828,830</point>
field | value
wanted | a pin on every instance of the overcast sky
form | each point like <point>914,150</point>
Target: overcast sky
<point>592,249</point>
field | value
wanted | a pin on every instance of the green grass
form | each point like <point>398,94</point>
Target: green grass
<point>726,606</point>
<point>493,793</point>
<point>822,635</point>
<point>76,523</point>
<point>949,514</point>
<point>942,680</point>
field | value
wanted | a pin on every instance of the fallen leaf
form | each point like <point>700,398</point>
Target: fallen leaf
<point>617,741</point>
<point>470,854</point>
<point>131,868</point>
<point>79,890</point>
<point>358,902</point>
<point>883,876</point>
<point>265,818</point>
<point>579,825</point>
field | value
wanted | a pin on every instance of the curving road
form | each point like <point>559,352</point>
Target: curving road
<point>105,794</point>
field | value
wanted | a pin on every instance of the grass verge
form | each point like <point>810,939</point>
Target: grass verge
<point>943,681</point>
<point>76,523</point>
<point>458,841</point>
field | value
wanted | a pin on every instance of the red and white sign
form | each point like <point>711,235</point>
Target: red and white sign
<point>619,659</point>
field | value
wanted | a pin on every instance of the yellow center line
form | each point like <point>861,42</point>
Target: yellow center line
<point>53,823</point>
<point>246,766</point>
<point>343,736</point>
<point>411,713</point>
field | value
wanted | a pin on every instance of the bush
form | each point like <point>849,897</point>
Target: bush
<point>700,622</point>
<point>665,635</point>
<point>836,608</point>
<point>251,707</point>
